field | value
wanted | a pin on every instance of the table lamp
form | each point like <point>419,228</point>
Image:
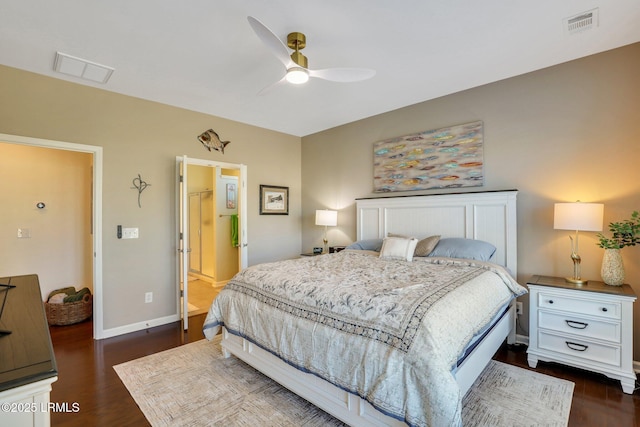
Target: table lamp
<point>579,217</point>
<point>327,218</point>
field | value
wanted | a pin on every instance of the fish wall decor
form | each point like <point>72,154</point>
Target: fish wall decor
<point>211,141</point>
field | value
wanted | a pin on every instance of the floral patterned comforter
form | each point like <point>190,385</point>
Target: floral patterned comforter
<point>389,331</point>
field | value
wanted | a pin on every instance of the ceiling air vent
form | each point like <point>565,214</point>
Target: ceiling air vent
<point>82,68</point>
<point>581,22</point>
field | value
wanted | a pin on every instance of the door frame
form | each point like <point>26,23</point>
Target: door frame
<point>96,151</point>
<point>182,195</point>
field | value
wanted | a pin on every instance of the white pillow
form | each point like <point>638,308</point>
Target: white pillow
<point>398,248</point>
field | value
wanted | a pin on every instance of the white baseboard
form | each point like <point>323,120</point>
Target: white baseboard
<point>522,339</point>
<point>220,285</point>
<point>134,327</point>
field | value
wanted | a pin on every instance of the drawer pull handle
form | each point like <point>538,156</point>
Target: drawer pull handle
<point>604,309</point>
<point>576,325</point>
<point>576,346</point>
<point>550,301</point>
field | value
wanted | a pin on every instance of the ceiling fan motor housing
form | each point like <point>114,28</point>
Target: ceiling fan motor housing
<point>297,41</point>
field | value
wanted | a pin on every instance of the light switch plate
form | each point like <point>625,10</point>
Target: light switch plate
<point>130,233</point>
<point>24,233</point>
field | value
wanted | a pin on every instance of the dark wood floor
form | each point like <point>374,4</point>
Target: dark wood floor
<point>597,400</point>
<point>86,376</point>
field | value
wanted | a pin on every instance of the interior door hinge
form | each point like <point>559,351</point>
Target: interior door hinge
<point>181,235</point>
<point>181,293</point>
<point>181,178</point>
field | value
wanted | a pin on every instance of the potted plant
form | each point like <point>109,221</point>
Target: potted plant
<point>624,233</point>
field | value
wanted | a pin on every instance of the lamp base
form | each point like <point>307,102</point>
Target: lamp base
<point>576,281</point>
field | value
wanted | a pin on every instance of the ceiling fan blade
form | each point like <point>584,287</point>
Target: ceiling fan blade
<point>343,75</point>
<point>269,88</point>
<point>271,40</point>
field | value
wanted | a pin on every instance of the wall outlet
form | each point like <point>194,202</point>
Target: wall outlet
<point>518,308</point>
<point>148,297</point>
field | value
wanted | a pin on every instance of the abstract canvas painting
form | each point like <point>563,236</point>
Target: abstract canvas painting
<point>450,157</point>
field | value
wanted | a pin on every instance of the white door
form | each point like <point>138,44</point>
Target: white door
<point>183,243</point>
<point>182,226</point>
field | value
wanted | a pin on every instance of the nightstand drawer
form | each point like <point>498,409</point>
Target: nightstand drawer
<point>551,301</point>
<point>600,353</point>
<point>587,328</point>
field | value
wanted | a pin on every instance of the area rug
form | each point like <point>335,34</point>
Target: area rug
<point>193,385</point>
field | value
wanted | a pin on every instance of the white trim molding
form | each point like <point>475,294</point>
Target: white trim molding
<point>139,326</point>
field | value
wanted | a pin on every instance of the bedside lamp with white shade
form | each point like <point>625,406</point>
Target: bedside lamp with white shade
<point>327,218</point>
<point>579,217</point>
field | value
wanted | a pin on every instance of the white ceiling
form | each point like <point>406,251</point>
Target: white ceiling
<point>203,55</point>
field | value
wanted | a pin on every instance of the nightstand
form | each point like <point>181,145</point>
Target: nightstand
<point>588,326</point>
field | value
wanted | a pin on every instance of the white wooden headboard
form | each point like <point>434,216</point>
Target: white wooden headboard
<point>488,216</point>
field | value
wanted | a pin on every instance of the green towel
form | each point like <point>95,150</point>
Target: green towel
<point>234,231</point>
<point>78,296</point>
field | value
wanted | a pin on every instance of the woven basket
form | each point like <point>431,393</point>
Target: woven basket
<point>69,313</point>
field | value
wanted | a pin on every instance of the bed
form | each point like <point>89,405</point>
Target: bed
<point>359,333</point>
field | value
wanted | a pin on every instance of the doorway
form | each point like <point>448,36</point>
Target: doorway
<point>212,225</point>
<point>201,276</point>
<point>201,234</point>
<point>211,230</point>
<point>96,213</point>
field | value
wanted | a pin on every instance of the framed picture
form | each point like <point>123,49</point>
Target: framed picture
<point>231,196</point>
<point>274,200</point>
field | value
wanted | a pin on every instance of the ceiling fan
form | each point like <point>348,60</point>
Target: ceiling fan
<point>297,71</point>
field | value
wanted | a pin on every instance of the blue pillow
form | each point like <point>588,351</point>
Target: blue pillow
<point>464,248</point>
<point>367,245</point>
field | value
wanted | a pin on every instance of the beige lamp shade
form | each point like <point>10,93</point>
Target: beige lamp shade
<point>578,216</point>
<point>326,217</point>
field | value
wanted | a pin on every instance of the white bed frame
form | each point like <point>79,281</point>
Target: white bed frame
<point>489,216</point>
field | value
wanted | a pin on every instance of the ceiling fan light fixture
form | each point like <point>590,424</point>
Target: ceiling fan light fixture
<point>296,64</point>
<point>297,75</point>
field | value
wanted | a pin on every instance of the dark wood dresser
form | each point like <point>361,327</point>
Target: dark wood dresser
<point>27,361</point>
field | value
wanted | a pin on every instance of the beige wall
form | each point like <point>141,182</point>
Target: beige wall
<point>560,134</point>
<point>141,137</point>
<point>60,248</point>
<point>564,133</point>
